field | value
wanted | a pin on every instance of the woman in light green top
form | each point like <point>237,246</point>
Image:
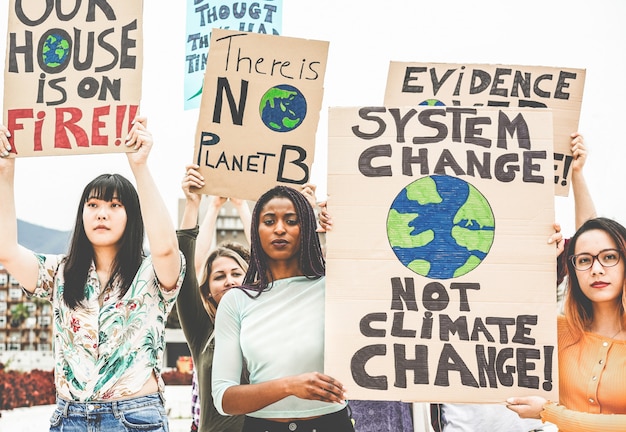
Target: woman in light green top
<point>276,323</point>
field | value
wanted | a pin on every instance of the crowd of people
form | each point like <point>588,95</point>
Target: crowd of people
<point>254,319</point>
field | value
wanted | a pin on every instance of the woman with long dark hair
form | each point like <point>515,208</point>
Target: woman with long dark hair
<point>591,336</point>
<point>275,321</point>
<point>110,301</point>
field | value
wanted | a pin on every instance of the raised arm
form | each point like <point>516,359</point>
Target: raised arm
<point>244,214</point>
<point>207,227</point>
<point>583,203</point>
<point>204,242</point>
<point>192,200</point>
<point>19,261</point>
<point>194,319</point>
<point>159,226</point>
<point>207,230</point>
<point>584,209</point>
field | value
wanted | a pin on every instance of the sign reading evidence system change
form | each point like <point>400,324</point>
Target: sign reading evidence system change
<point>447,84</point>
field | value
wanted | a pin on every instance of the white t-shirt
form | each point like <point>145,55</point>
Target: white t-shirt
<point>485,418</point>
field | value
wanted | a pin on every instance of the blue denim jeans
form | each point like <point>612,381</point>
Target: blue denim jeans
<point>144,413</point>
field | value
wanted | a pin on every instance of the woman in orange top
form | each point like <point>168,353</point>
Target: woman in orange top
<point>591,336</point>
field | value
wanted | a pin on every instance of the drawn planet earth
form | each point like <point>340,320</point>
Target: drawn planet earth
<point>282,108</point>
<point>432,102</point>
<point>55,50</point>
<point>440,227</point>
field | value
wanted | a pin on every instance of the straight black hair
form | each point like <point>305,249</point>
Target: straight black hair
<point>81,254</point>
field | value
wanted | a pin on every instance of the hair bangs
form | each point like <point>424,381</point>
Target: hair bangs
<point>107,187</point>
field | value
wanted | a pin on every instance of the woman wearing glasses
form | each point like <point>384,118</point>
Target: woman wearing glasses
<point>591,336</point>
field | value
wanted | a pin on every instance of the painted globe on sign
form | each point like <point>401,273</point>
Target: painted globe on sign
<point>432,102</point>
<point>282,108</point>
<point>55,50</point>
<point>440,227</point>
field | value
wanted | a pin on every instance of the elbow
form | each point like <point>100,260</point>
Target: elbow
<point>218,403</point>
<point>225,403</point>
<point>165,249</point>
<point>8,251</point>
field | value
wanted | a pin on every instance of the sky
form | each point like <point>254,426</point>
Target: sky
<point>364,37</point>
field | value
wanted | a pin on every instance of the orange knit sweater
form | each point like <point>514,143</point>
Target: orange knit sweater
<point>592,384</point>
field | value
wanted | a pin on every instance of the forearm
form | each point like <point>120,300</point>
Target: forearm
<point>19,261</point>
<point>246,217</point>
<point>190,215</point>
<point>8,218</point>
<point>194,320</point>
<point>204,241</point>
<point>159,227</point>
<point>575,421</point>
<point>247,398</point>
<point>583,203</point>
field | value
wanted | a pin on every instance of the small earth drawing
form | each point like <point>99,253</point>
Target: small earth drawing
<point>55,50</point>
<point>440,227</point>
<point>282,108</point>
<point>432,102</point>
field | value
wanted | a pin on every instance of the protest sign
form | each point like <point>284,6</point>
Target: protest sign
<point>259,112</point>
<point>72,79</point>
<point>440,282</point>
<point>560,89</point>
<point>258,17</point>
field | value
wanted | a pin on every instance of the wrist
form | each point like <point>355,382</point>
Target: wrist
<point>545,410</point>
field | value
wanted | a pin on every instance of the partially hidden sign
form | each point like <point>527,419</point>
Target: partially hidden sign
<point>440,282</point>
<point>260,108</point>
<point>264,17</point>
<point>72,79</point>
<point>560,89</point>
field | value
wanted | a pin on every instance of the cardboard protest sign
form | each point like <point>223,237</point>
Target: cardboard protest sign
<point>259,112</point>
<point>259,17</point>
<point>440,282</point>
<point>72,79</point>
<point>501,86</point>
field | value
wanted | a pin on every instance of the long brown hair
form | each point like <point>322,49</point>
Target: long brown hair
<point>234,251</point>
<point>578,307</point>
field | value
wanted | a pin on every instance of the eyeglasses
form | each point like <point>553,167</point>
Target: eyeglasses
<point>606,258</point>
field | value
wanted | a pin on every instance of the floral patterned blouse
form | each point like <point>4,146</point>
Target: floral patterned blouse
<point>107,351</point>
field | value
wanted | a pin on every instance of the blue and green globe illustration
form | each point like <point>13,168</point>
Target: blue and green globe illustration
<point>432,102</point>
<point>440,227</point>
<point>282,108</point>
<point>55,50</point>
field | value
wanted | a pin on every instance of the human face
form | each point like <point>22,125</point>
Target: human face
<point>279,230</point>
<point>599,284</point>
<point>225,274</point>
<point>104,221</point>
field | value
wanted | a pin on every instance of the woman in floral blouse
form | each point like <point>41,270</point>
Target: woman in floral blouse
<point>110,301</point>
